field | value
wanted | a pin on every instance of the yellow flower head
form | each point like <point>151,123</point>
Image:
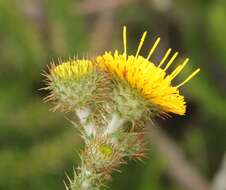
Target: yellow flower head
<point>150,80</point>
<point>72,84</point>
<point>72,69</point>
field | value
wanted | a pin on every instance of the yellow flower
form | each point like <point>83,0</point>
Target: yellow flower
<point>72,69</point>
<point>150,80</point>
<point>73,84</point>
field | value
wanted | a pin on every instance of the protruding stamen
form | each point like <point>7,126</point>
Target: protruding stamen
<point>165,57</point>
<point>141,43</point>
<point>178,69</point>
<point>171,61</point>
<point>124,40</point>
<point>153,48</point>
<point>188,78</point>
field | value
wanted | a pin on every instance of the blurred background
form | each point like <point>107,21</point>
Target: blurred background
<point>38,148</point>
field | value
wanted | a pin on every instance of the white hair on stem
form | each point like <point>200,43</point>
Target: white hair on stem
<point>83,115</point>
<point>115,123</point>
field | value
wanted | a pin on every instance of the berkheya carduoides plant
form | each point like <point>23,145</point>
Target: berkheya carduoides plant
<point>112,97</point>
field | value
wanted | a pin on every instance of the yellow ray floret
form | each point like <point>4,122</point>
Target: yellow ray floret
<point>151,81</point>
<point>72,69</point>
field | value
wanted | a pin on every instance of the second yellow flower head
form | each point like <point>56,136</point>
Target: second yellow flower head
<point>150,80</point>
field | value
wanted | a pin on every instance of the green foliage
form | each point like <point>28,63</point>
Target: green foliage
<point>37,147</point>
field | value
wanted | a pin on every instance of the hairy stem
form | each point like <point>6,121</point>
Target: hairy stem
<point>115,123</point>
<point>103,153</point>
<point>83,115</point>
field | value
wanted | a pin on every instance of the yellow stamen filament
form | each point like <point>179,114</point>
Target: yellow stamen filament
<point>153,48</point>
<point>178,69</point>
<point>165,57</point>
<point>141,43</point>
<point>124,40</point>
<point>171,61</point>
<point>188,78</point>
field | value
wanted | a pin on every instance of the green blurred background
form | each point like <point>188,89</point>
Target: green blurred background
<point>38,147</point>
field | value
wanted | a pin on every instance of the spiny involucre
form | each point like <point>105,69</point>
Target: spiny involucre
<point>112,96</point>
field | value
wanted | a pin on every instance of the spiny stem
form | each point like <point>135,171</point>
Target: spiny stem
<point>103,153</point>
